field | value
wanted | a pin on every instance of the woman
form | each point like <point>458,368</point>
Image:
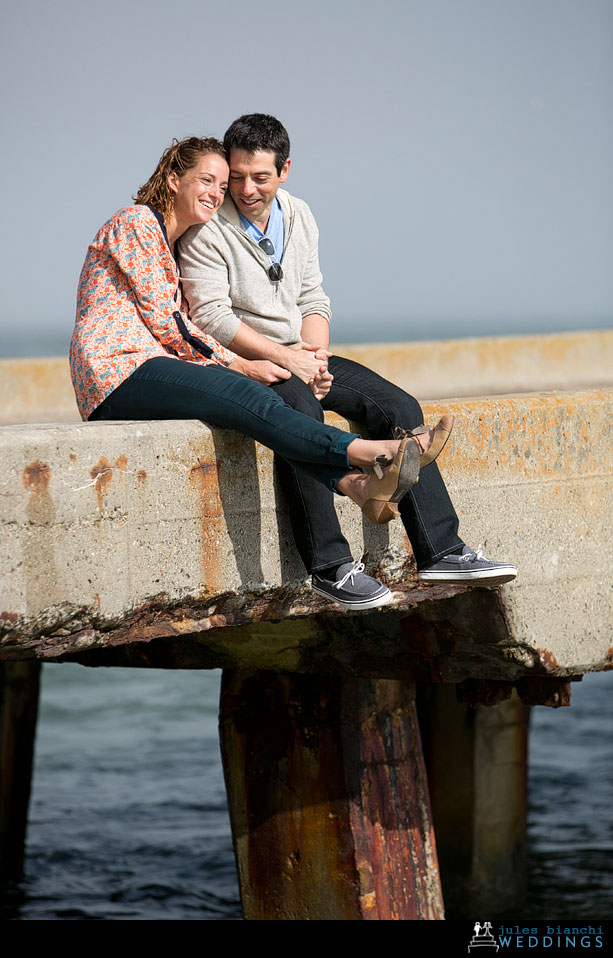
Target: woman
<point>136,355</point>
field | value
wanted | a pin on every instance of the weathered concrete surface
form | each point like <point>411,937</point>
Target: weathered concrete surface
<point>328,799</point>
<point>36,390</point>
<point>492,365</point>
<point>39,390</point>
<point>162,541</point>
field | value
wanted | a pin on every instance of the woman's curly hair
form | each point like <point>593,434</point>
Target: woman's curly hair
<point>181,156</point>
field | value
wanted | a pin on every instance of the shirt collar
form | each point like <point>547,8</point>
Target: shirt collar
<point>275,230</point>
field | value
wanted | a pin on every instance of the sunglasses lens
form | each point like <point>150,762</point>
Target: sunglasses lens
<point>275,273</point>
<point>267,246</point>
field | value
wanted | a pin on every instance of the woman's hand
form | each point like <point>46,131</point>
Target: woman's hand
<point>261,370</point>
<point>321,387</point>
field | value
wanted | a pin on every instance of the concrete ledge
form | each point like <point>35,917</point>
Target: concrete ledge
<point>39,390</point>
<point>493,365</point>
<point>160,543</point>
<point>36,390</point>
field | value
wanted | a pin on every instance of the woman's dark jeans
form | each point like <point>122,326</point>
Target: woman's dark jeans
<point>165,388</point>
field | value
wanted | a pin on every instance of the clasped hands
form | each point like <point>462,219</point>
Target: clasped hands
<point>311,365</point>
<point>307,362</point>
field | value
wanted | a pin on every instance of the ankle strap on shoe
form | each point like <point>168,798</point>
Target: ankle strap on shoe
<point>400,433</point>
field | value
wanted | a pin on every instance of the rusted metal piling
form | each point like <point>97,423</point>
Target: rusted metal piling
<point>328,798</point>
<point>19,686</point>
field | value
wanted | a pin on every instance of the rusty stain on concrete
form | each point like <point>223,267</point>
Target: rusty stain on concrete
<point>102,474</point>
<point>141,475</point>
<point>36,476</point>
<point>72,457</point>
<point>121,462</point>
<point>203,469</point>
<point>204,477</point>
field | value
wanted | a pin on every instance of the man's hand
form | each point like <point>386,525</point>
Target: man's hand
<point>316,337</point>
<point>261,370</point>
<point>307,362</point>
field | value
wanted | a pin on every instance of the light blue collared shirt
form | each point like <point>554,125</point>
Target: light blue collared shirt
<point>275,231</point>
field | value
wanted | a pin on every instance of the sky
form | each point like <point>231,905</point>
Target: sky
<point>457,154</point>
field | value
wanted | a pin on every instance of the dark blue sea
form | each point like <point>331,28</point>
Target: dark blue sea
<point>128,815</point>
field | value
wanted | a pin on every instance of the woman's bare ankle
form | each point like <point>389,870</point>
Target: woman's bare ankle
<point>363,452</point>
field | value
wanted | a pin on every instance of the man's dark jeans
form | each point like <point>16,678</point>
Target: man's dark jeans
<point>365,397</point>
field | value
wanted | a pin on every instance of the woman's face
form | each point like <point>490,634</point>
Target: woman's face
<point>200,192</point>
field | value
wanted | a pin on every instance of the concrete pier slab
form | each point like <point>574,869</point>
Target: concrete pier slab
<point>122,534</point>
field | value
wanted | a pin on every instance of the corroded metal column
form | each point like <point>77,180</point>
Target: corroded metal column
<point>19,684</point>
<point>328,798</point>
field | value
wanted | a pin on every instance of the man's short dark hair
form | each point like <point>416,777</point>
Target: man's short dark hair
<point>258,131</point>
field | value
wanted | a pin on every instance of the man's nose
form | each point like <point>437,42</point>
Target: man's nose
<point>248,186</point>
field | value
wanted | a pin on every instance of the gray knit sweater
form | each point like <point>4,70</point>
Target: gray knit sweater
<point>224,276</point>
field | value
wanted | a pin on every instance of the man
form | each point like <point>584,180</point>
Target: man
<point>252,280</point>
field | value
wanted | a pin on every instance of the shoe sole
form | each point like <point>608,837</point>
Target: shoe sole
<point>382,511</point>
<point>409,471</point>
<point>501,575</point>
<point>355,604</point>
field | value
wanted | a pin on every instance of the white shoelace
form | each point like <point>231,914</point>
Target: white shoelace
<point>356,568</point>
<point>471,556</point>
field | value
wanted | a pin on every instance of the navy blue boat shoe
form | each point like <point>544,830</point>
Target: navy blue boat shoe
<point>350,587</point>
<point>467,566</point>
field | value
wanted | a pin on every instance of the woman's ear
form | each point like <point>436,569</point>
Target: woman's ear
<point>173,182</point>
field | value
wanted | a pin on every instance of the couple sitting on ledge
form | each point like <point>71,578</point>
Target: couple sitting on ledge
<point>204,301</point>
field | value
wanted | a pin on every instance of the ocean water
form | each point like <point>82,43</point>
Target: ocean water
<point>128,813</point>
<point>128,816</point>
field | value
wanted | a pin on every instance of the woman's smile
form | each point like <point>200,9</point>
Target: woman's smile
<point>200,192</point>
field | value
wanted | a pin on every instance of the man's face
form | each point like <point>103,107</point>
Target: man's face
<point>254,182</point>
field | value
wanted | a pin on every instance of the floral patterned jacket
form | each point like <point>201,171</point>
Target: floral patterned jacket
<point>130,308</point>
